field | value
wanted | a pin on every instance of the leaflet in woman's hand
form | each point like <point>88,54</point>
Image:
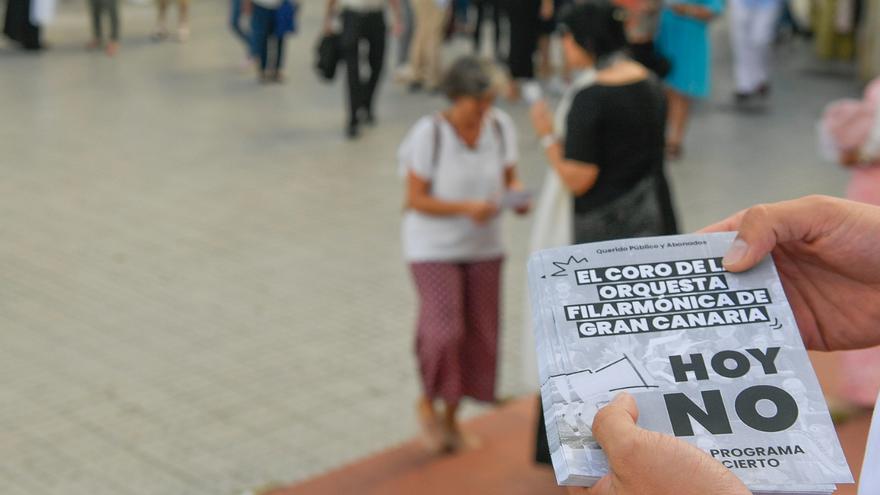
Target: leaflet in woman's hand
<point>711,357</point>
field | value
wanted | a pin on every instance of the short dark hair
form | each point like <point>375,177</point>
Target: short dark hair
<point>467,76</point>
<point>595,25</point>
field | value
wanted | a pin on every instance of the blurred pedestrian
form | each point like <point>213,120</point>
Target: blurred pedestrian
<point>683,38</point>
<point>606,143</point>
<point>425,51</point>
<point>459,166</point>
<point>97,8</point>
<point>363,21</point>
<point>161,32</point>
<point>268,37</point>
<point>752,33</point>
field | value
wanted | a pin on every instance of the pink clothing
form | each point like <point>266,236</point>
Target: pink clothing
<point>457,331</point>
<point>860,370</point>
<point>864,185</point>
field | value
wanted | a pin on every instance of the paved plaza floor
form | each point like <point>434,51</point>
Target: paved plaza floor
<point>201,284</point>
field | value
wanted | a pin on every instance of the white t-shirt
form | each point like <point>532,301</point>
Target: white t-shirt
<point>458,174</point>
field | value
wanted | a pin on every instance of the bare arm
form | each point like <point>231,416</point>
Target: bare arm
<point>578,177</point>
<point>419,198</point>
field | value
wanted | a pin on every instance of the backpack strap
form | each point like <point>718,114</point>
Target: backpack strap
<point>435,152</point>
<point>438,135</point>
<point>499,135</point>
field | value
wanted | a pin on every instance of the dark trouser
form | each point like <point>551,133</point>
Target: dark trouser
<point>97,8</point>
<point>18,27</point>
<point>266,44</point>
<point>525,23</point>
<point>482,5</point>
<point>235,24</point>
<point>357,27</point>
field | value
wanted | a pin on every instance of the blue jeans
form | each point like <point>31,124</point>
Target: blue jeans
<point>235,24</point>
<point>263,38</point>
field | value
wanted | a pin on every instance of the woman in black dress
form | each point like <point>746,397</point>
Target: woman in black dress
<point>610,153</point>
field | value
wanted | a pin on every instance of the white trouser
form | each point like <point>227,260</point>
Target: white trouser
<point>752,30</point>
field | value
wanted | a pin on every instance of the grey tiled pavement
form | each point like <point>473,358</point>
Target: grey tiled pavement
<point>201,288</point>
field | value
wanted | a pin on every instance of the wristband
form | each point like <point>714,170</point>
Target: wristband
<point>548,141</point>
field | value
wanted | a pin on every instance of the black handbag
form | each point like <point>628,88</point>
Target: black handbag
<point>328,54</point>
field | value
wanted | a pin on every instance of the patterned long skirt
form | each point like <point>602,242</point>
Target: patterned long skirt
<point>457,330</point>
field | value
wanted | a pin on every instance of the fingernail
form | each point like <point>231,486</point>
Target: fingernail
<point>620,397</point>
<point>737,252</point>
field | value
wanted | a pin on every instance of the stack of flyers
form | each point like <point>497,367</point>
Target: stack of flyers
<point>711,357</point>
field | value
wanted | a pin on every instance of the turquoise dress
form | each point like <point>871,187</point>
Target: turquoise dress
<point>685,42</point>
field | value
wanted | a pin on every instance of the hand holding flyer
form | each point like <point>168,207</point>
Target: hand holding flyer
<point>710,357</point>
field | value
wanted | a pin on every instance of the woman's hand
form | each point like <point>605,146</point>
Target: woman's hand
<point>542,119</point>
<point>826,251</point>
<point>480,211</point>
<point>639,459</point>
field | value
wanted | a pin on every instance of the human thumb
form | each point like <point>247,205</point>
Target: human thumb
<point>614,426</point>
<point>756,237</point>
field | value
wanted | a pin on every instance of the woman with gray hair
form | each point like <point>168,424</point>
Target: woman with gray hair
<point>459,166</point>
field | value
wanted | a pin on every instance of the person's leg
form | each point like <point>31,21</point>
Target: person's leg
<point>279,53</point>
<point>743,53</point>
<point>351,34</point>
<point>479,348</point>
<point>95,14</point>
<point>162,20</point>
<point>679,109</point>
<point>113,11</point>
<point>163,11</point>
<point>235,21</point>
<point>497,17</point>
<point>763,35</point>
<point>478,24</point>
<point>183,20</point>
<point>544,65</point>
<point>419,47</point>
<point>376,36</point>
<point>434,47</point>
<point>405,38</point>
<point>439,337</point>
<point>260,35</point>
<point>524,26</point>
